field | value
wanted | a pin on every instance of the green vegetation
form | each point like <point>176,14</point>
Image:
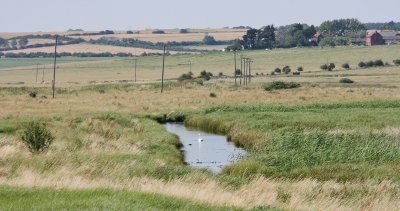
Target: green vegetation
<point>276,85</point>
<point>346,81</point>
<point>36,136</point>
<point>322,141</point>
<point>100,199</point>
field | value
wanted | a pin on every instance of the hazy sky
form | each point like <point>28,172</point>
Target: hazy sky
<point>60,15</point>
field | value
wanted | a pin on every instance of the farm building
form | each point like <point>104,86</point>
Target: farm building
<point>374,38</point>
<point>390,36</point>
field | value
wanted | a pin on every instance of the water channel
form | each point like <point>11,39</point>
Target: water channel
<point>205,150</point>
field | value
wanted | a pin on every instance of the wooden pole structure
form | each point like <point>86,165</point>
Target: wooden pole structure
<point>37,71</point>
<point>250,70</point>
<point>241,69</point>
<point>190,63</point>
<point>162,74</point>
<point>55,64</point>
<point>44,67</point>
<point>135,68</point>
<point>234,72</point>
<point>245,71</point>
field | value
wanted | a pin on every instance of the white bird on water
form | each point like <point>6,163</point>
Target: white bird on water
<point>200,139</point>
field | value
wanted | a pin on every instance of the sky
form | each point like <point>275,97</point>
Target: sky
<point>61,15</point>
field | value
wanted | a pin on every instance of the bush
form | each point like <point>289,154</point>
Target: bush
<point>213,95</point>
<point>206,75</point>
<point>346,81</point>
<point>378,63</point>
<point>36,136</point>
<point>158,32</point>
<point>183,31</point>
<point>396,62</point>
<point>324,67</point>
<point>186,76</point>
<point>346,66</point>
<point>369,63</point>
<point>331,66</point>
<point>33,94</point>
<point>276,85</point>
<point>286,70</point>
<point>362,64</point>
<point>300,69</point>
<point>278,70</point>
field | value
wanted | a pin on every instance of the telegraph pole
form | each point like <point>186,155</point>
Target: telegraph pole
<point>55,63</point>
<point>234,72</point>
<point>241,69</point>
<point>135,68</point>
<point>250,70</point>
<point>44,67</point>
<point>162,74</point>
<point>37,71</point>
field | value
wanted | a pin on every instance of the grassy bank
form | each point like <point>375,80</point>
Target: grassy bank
<point>12,198</point>
<point>342,141</point>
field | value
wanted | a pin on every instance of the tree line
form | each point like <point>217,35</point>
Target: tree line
<point>332,33</point>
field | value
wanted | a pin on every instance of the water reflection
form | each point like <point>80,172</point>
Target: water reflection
<point>205,150</point>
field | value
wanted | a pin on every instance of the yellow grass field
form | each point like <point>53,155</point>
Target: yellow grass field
<point>170,37</point>
<point>90,48</point>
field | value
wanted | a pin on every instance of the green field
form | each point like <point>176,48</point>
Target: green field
<point>6,63</point>
<point>149,67</point>
<point>324,145</point>
<point>50,199</point>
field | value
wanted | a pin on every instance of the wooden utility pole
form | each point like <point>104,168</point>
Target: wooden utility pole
<point>37,71</point>
<point>245,70</point>
<point>250,70</point>
<point>55,64</point>
<point>135,68</point>
<point>241,69</point>
<point>190,63</point>
<point>44,67</point>
<point>162,74</point>
<point>234,72</point>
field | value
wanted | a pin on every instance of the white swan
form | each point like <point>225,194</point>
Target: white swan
<point>200,139</point>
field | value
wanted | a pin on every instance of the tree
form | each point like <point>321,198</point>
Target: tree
<point>14,44</point>
<point>3,42</point>
<point>183,31</point>
<point>23,42</point>
<point>236,46</point>
<point>341,27</point>
<point>209,40</point>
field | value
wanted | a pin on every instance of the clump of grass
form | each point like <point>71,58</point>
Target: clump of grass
<point>36,136</point>
<point>276,85</point>
<point>282,196</point>
<point>346,81</point>
<point>33,94</point>
<point>213,95</point>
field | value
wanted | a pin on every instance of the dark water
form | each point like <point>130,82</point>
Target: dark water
<point>213,153</point>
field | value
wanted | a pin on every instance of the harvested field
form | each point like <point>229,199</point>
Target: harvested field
<point>89,48</point>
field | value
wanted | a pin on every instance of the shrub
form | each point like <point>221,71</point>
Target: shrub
<point>346,66</point>
<point>378,63</point>
<point>273,73</point>
<point>206,75</point>
<point>286,70</point>
<point>324,67</point>
<point>183,31</point>
<point>36,136</point>
<point>276,85</point>
<point>331,66</point>
<point>278,70</point>
<point>33,94</point>
<point>158,32</point>
<point>346,81</point>
<point>362,64</point>
<point>396,62</point>
<point>369,64</point>
<point>300,69</point>
<point>186,76</point>
<point>213,95</point>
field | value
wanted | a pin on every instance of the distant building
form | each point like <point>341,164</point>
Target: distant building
<point>317,37</point>
<point>374,38</point>
<point>390,36</point>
